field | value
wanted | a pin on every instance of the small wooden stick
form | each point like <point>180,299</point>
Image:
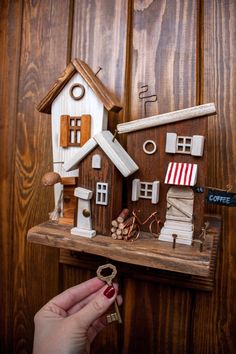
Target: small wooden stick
<point>114,236</point>
<point>113,229</point>
<point>114,223</point>
<point>123,215</point>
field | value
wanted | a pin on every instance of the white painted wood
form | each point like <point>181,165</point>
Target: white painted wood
<point>179,216</point>
<point>82,232</point>
<point>167,118</point>
<point>96,161</point>
<point>184,226</point>
<point>116,153</point>
<point>64,104</point>
<point>155,192</point>
<point>197,145</point>
<point>171,140</point>
<point>80,155</point>
<point>84,220</point>
<point>180,202</point>
<point>166,235</point>
<point>152,150</point>
<point>83,193</point>
<point>135,190</point>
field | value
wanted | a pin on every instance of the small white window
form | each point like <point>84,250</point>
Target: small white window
<point>146,190</point>
<point>192,145</point>
<point>102,193</point>
<point>184,144</point>
<point>96,161</point>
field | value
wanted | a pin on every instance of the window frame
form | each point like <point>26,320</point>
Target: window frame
<point>102,193</point>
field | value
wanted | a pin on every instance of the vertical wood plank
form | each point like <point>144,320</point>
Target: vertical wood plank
<point>10,37</point>
<point>43,56</point>
<point>99,38</point>
<point>215,314</point>
<point>163,56</point>
<point>154,320</point>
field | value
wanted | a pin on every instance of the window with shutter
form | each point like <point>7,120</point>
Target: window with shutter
<point>74,131</point>
<point>145,190</point>
<point>192,145</point>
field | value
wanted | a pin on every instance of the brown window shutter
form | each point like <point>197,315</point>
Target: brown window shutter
<point>64,131</point>
<point>85,128</point>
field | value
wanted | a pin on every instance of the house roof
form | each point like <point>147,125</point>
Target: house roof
<point>109,101</point>
<point>167,118</point>
<point>181,174</point>
<point>112,148</point>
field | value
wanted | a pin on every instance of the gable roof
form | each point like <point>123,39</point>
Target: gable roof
<point>167,118</point>
<point>109,101</point>
<point>115,152</point>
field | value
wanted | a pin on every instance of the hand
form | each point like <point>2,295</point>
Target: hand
<point>69,322</point>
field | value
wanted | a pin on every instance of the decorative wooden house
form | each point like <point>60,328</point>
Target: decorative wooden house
<point>103,163</point>
<point>171,154</point>
<point>79,104</point>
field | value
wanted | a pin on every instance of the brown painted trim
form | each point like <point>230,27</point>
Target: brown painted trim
<point>110,102</point>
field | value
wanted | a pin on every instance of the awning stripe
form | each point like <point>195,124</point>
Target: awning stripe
<point>183,174</point>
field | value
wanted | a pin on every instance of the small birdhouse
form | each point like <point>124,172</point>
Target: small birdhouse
<point>79,104</point>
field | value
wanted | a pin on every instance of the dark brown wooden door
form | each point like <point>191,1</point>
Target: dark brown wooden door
<point>185,51</point>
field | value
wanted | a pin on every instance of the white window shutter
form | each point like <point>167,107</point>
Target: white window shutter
<point>96,161</point>
<point>197,145</point>
<point>171,140</point>
<point>135,190</point>
<point>155,192</point>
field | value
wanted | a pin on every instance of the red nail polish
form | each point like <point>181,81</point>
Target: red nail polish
<point>109,292</point>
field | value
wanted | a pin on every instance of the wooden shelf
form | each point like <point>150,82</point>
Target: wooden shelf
<point>143,252</point>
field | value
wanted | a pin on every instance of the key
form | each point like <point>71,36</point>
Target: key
<point>108,279</point>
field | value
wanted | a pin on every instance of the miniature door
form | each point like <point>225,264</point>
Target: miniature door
<point>84,219</point>
<point>179,215</point>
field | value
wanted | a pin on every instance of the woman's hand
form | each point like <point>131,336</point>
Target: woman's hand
<point>69,322</point>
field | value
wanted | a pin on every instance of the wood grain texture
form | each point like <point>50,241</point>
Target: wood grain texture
<point>155,335</point>
<point>10,38</point>
<point>163,56</point>
<point>100,39</point>
<point>42,23</point>
<point>158,43</point>
<point>145,251</point>
<point>215,315</point>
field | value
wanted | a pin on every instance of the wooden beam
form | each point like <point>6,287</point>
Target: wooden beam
<point>167,118</point>
<point>146,251</point>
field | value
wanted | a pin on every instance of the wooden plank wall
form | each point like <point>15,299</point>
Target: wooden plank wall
<point>184,50</point>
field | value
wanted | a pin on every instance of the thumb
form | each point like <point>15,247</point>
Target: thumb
<point>97,307</point>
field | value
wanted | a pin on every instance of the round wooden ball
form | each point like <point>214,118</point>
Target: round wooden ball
<point>51,178</point>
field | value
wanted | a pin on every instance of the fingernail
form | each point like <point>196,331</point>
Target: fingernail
<point>109,292</point>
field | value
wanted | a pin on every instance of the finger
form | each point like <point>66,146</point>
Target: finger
<point>96,308</point>
<point>73,295</point>
<point>77,307</point>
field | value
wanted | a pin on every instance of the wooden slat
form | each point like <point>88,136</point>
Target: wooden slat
<point>45,104</point>
<point>163,64</point>
<point>146,251</point>
<point>215,314</point>
<point>10,39</point>
<point>40,60</point>
<point>85,128</point>
<point>64,135</point>
<point>109,18</point>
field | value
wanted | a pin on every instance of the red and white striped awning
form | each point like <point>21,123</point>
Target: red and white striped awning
<point>181,174</point>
